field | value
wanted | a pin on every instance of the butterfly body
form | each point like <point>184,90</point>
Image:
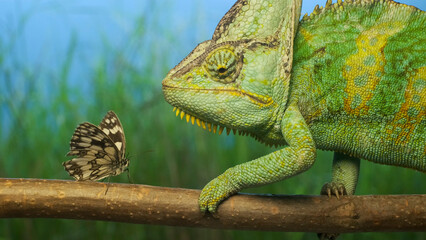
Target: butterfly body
<point>99,151</point>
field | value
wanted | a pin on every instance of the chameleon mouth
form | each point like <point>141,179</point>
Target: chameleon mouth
<point>204,124</point>
<point>211,127</point>
<point>217,128</point>
<point>260,100</point>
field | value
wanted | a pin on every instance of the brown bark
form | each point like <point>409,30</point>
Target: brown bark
<point>37,198</point>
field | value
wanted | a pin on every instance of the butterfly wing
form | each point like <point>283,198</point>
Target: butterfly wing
<point>97,155</point>
<point>112,127</point>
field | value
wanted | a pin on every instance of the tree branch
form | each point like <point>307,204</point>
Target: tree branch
<point>37,198</point>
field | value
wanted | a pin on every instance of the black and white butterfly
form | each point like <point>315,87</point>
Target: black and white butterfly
<point>100,151</point>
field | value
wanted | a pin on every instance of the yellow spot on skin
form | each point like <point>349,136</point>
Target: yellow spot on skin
<point>307,35</point>
<point>370,46</point>
<point>415,98</point>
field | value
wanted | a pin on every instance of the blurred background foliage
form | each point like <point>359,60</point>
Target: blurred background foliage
<point>46,90</point>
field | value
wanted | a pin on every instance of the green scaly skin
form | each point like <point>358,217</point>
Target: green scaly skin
<point>350,78</point>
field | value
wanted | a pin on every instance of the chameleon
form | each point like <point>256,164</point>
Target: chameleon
<point>348,78</point>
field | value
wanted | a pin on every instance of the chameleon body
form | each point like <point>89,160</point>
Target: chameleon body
<point>350,78</point>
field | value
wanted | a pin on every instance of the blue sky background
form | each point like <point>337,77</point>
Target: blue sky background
<point>39,32</point>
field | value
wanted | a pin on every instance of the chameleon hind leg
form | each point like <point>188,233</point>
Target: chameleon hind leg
<point>344,180</point>
<point>345,176</point>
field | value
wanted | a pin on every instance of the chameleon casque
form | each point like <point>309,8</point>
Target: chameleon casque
<point>350,78</point>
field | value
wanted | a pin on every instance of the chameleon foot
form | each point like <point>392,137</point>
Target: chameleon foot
<point>215,192</point>
<point>329,189</point>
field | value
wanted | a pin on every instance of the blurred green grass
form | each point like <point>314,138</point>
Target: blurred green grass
<point>43,108</point>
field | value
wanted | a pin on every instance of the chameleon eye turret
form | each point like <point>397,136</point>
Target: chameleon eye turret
<point>222,65</point>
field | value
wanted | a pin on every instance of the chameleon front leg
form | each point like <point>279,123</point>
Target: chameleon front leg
<point>345,176</point>
<point>297,157</point>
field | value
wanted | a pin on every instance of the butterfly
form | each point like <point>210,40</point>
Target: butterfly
<point>99,151</point>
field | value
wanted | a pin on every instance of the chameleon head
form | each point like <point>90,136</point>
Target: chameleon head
<point>240,78</point>
<point>229,84</point>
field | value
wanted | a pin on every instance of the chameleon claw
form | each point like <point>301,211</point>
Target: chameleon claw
<point>332,188</point>
<point>336,192</point>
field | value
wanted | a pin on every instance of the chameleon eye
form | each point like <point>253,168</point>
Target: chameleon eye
<point>221,64</point>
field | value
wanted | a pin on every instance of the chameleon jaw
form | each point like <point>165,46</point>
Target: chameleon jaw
<point>204,124</point>
<point>261,101</point>
<point>216,128</point>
